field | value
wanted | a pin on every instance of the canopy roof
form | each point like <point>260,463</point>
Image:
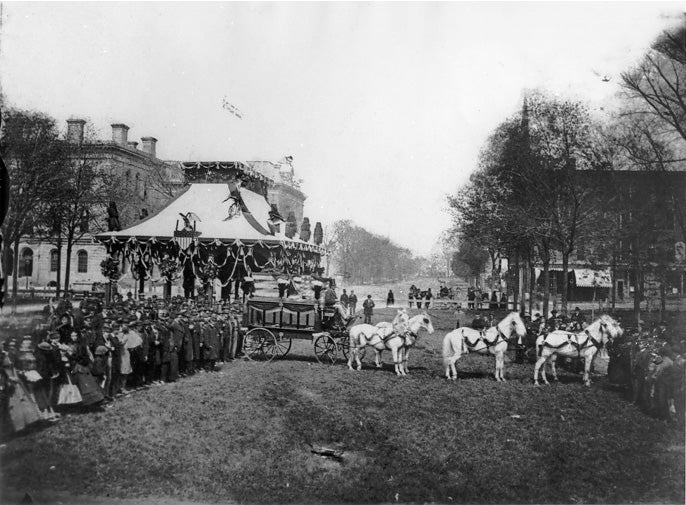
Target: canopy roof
<point>208,209</point>
<point>587,278</point>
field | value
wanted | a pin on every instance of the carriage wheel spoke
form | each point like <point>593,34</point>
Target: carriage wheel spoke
<point>325,349</point>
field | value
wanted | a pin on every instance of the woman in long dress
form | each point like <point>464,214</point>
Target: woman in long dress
<point>19,409</point>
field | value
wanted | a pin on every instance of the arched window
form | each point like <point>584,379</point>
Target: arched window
<point>26,263</point>
<point>138,184</point>
<point>82,262</point>
<point>54,260</point>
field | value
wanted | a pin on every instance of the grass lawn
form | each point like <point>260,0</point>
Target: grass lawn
<point>246,434</point>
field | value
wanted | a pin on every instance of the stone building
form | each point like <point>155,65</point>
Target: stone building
<point>147,184</point>
<point>285,192</point>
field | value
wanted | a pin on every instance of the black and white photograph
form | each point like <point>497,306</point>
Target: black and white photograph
<point>330,252</point>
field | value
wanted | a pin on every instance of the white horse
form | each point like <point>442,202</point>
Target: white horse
<point>409,334</point>
<point>490,341</point>
<point>575,345</point>
<point>395,337</point>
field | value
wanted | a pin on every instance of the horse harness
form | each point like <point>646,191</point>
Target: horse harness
<point>579,347</point>
<point>405,336</point>
<point>482,338</point>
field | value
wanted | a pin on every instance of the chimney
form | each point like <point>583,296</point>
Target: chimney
<point>119,134</point>
<point>75,131</point>
<point>132,145</point>
<point>149,144</point>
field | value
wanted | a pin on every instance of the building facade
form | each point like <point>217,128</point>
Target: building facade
<point>146,183</point>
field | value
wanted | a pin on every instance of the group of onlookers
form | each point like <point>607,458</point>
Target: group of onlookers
<point>87,355</point>
<point>477,299</point>
<point>651,364</point>
<point>418,296</point>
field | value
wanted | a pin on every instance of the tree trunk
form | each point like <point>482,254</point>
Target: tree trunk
<point>638,290</point>
<point>58,278</point>
<point>613,273</point>
<point>15,274</point>
<point>565,281</point>
<point>67,267</point>
<point>517,284</point>
<point>546,287</point>
<point>663,294</point>
<point>532,287</point>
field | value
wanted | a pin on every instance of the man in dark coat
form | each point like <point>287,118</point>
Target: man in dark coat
<point>478,323</point>
<point>344,299</point>
<point>352,301</point>
<point>330,297</point>
<point>368,307</point>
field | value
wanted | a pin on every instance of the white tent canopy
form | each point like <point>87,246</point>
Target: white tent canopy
<point>211,204</point>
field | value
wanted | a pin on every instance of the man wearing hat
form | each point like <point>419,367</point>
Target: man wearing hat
<point>578,320</point>
<point>553,321</point>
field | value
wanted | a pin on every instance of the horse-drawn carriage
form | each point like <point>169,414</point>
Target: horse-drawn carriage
<point>271,324</point>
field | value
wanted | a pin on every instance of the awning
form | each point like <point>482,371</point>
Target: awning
<point>588,278</point>
<point>585,277</point>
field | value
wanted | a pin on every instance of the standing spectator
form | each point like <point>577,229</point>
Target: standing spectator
<point>352,301</point>
<point>345,300</point>
<point>427,297</point>
<point>471,296</point>
<point>124,338</point>
<point>155,355</point>
<point>368,307</point>
<point>494,300</point>
<point>419,295</point>
<point>134,344</point>
<point>390,299</point>
<point>458,314</point>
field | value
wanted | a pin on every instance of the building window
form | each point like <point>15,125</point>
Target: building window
<point>54,260</point>
<point>138,184</point>
<point>82,262</point>
<point>26,263</point>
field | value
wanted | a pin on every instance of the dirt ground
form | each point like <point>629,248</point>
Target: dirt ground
<point>255,432</point>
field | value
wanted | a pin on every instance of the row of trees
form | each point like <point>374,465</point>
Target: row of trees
<point>552,179</point>
<point>58,190</point>
<point>364,257</point>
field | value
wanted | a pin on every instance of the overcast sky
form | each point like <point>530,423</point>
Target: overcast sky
<point>383,106</point>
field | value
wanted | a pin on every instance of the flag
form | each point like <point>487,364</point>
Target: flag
<point>231,108</point>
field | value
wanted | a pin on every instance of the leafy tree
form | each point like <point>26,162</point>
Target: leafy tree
<point>469,260</point>
<point>30,146</point>
<point>570,157</point>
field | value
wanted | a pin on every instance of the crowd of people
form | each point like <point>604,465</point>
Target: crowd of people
<point>418,296</point>
<point>86,355</point>
<point>651,364</point>
<point>477,299</point>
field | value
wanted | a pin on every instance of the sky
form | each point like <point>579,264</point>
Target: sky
<point>383,106</point>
